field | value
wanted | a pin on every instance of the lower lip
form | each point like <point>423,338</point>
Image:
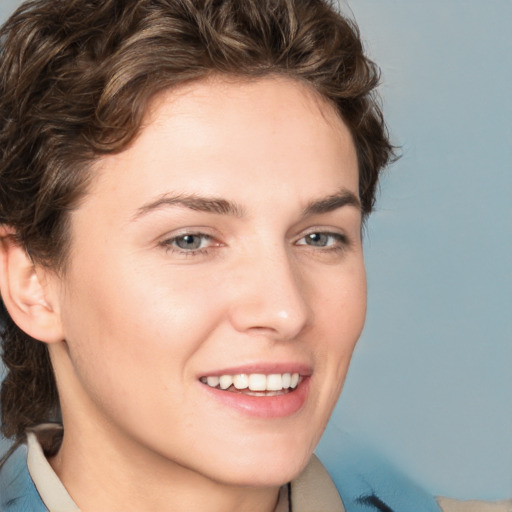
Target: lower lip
<point>278,406</point>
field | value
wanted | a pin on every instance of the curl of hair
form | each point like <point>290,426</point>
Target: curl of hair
<point>76,77</point>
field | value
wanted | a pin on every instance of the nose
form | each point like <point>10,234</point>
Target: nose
<point>271,297</point>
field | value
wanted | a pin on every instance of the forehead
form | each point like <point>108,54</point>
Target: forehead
<point>232,92</point>
<point>204,135</point>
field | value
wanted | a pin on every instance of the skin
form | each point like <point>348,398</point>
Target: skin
<point>138,320</point>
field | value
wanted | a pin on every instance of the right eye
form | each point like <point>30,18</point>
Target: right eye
<point>190,242</point>
<point>323,240</point>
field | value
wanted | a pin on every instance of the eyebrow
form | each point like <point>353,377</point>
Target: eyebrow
<point>330,203</point>
<point>193,202</point>
<point>224,207</point>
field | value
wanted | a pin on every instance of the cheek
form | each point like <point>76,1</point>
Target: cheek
<point>137,333</point>
<point>341,305</point>
<point>340,320</point>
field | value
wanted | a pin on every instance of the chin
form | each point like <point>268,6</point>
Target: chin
<point>279,474</point>
<point>269,466</point>
<point>270,475</point>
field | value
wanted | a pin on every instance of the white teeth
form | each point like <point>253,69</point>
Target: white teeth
<point>254,381</point>
<point>212,381</point>
<point>240,381</point>
<point>257,382</point>
<point>225,381</point>
<point>274,382</point>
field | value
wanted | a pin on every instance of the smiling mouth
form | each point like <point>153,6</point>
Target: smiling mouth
<point>255,384</point>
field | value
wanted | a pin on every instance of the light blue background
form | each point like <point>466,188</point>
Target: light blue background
<point>431,380</point>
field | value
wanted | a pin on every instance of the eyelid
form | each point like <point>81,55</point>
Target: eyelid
<point>192,231</point>
<point>328,230</point>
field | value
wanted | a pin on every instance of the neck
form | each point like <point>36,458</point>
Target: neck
<point>116,476</point>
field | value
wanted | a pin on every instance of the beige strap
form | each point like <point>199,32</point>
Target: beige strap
<point>314,491</point>
<point>451,505</point>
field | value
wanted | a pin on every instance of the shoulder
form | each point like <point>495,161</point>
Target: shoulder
<point>356,491</point>
<point>369,484</point>
<point>17,490</point>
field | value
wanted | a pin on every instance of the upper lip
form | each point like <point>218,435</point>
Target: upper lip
<point>266,368</point>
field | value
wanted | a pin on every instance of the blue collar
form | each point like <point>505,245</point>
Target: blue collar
<point>17,491</point>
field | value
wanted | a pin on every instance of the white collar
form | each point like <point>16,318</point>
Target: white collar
<point>52,491</point>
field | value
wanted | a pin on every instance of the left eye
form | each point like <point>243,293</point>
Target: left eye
<point>321,239</point>
<point>191,242</point>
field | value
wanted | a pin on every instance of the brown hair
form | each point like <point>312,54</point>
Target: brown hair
<point>75,79</point>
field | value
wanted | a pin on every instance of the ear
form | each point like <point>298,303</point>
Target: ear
<point>25,291</point>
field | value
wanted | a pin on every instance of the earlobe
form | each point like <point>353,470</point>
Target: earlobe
<point>25,293</point>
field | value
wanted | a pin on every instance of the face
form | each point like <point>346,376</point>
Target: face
<point>216,287</point>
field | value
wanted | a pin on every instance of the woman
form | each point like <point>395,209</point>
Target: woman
<point>183,187</point>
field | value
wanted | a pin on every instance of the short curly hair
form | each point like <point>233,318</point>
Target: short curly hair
<point>76,77</point>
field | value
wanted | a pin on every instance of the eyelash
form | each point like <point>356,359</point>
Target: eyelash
<point>340,242</point>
